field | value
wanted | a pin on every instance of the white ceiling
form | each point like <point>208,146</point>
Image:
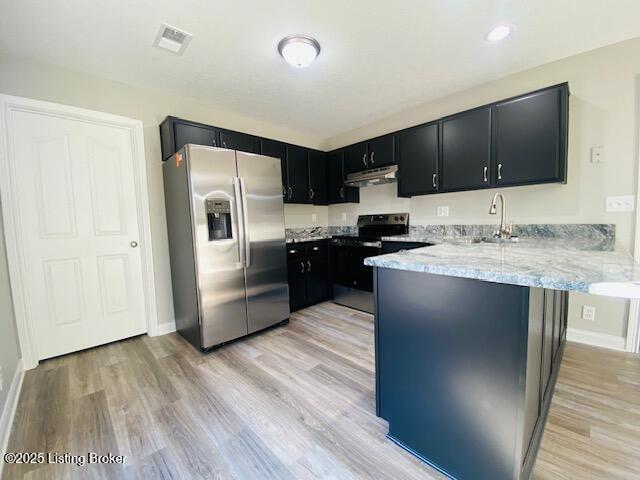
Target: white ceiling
<point>378,57</point>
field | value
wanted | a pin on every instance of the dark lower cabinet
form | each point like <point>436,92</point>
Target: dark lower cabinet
<point>239,141</point>
<point>480,346</point>
<point>336,191</point>
<point>308,272</point>
<point>530,136</point>
<point>417,153</point>
<point>318,178</point>
<point>297,174</point>
<point>466,150</point>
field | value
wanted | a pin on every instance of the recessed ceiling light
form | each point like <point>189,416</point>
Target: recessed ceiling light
<point>499,32</point>
<point>299,50</point>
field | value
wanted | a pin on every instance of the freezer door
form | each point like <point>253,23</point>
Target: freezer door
<point>218,244</point>
<point>265,253</point>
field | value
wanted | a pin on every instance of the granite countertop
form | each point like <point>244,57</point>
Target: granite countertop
<point>310,238</point>
<point>580,265</point>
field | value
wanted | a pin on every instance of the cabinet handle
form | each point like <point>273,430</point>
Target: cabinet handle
<point>433,180</point>
<point>371,158</point>
<point>364,159</point>
<point>308,266</point>
<point>290,193</point>
<point>284,191</point>
<point>341,192</point>
<point>301,267</point>
<point>293,251</point>
<point>499,171</point>
<point>214,143</point>
<point>224,144</point>
<point>484,174</point>
<point>311,193</point>
<point>315,249</point>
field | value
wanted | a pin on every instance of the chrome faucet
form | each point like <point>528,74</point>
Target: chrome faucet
<point>504,231</point>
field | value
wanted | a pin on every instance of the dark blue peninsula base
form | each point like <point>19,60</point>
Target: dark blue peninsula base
<point>465,369</point>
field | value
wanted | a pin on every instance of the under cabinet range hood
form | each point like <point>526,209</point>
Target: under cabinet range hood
<point>375,176</point>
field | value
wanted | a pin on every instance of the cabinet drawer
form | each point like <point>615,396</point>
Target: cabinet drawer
<point>316,249</point>
<point>295,250</point>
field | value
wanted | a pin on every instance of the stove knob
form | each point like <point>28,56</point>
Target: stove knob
<point>402,218</point>
<point>396,219</point>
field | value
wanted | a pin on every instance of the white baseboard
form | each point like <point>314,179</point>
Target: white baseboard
<point>163,329</point>
<point>9,411</point>
<point>596,339</point>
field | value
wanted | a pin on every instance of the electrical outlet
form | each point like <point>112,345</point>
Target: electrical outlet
<point>621,203</point>
<point>442,211</point>
<point>1,380</point>
<point>344,216</point>
<point>588,313</point>
<point>597,154</point>
<point>314,217</point>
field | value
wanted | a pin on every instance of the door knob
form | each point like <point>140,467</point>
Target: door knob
<point>134,244</point>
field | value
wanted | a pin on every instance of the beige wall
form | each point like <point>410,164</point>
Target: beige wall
<point>46,82</point>
<point>602,112</point>
<point>9,351</point>
<point>603,108</point>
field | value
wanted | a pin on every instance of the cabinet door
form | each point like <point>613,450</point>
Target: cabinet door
<point>381,151</point>
<point>297,174</point>
<point>199,135</point>
<point>557,321</point>
<point>272,148</point>
<point>297,284</point>
<point>418,160</point>
<point>317,279</point>
<point>530,138</point>
<point>336,191</point>
<point>547,340</point>
<point>239,141</point>
<point>466,143</point>
<point>355,158</point>
<point>317,178</point>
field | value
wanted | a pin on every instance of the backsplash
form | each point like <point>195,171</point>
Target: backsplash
<point>593,231</point>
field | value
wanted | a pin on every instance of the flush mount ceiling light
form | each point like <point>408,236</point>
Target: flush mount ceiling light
<point>499,32</point>
<point>299,50</point>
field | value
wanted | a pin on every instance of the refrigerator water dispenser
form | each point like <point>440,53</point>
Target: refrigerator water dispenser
<point>218,218</point>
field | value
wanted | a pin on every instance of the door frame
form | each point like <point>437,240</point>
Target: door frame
<point>10,199</point>
<point>632,343</point>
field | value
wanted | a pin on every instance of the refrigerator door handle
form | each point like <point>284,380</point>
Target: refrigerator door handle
<point>245,224</point>
<point>240,220</point>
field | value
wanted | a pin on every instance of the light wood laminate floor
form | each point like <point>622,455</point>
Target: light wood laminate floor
<point>293,402</point>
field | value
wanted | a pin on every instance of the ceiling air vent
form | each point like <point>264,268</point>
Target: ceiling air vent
<point>172,39</point>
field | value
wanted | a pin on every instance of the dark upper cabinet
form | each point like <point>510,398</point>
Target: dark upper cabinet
<point>355,158</point>
<point>297,174</point>
<point>336,191</point>
<point>417,153</point>
<point>465,150</point>
<point>273,148</point>
<point>176,133</point>
<point>317,178</point>
<point>239,141</point>
<point>530,138</point>
<point>381,151</point>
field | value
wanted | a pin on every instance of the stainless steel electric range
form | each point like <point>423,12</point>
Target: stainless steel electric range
<point>352,280</point>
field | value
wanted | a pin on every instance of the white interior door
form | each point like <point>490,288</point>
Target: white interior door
<point>79,230</point>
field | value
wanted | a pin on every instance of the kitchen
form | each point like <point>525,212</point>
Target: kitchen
<point>555,136</point>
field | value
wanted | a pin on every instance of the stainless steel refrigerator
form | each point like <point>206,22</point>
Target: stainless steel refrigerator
<point>225,219</point>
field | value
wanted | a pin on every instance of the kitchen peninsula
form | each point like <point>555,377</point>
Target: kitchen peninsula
<point>469,339</point>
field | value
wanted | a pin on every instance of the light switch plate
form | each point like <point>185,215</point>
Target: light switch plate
<point>621,203</point>
<point>597,154</point>
<point>344,216</point>
<point>442,211</point>
<point>588,313</point>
